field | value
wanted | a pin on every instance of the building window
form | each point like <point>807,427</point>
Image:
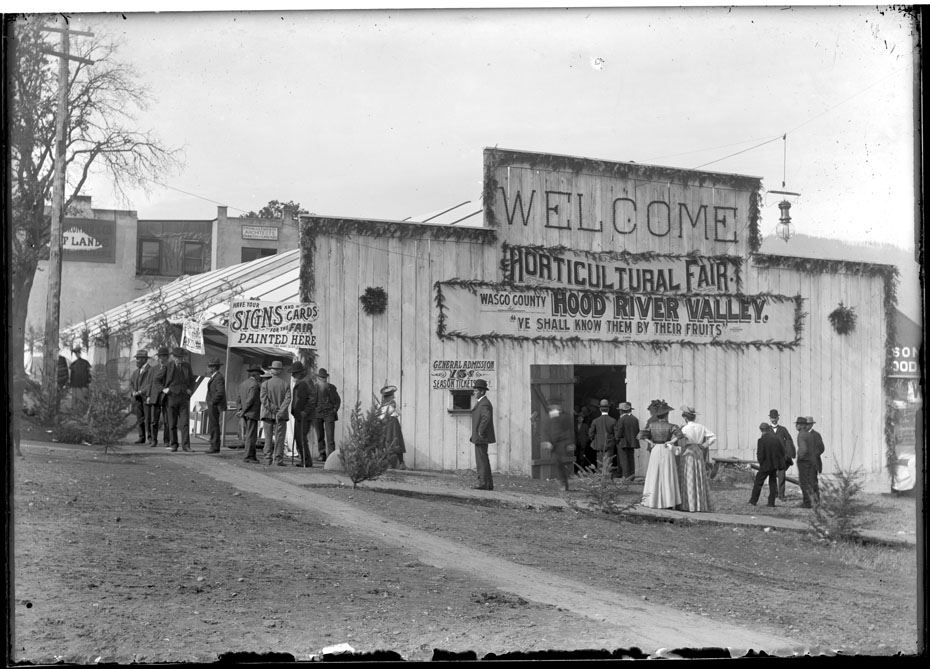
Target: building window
<point>461,400</point>
<point>193,258</point>
<point>149,261</point>
<point>250,253</point>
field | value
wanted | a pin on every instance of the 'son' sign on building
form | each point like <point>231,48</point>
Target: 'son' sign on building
<point>593,280</point>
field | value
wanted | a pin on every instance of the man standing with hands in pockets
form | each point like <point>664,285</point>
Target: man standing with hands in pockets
<point>482,434</point>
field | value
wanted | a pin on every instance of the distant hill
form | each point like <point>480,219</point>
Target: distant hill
<point>910,300</point>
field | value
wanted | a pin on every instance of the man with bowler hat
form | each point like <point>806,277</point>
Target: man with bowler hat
<point>810,448</point>
<point>302,408</point>
<point>782,433</point>
<point>625,437</point>
<point>139,381</point>
<point>482,434</point>
<point>602,438</point>
<point>216,403</point>
<point>327,414</point>
<point>276,400</point>
<point>179,386</point>
<point>770,452</point>
<point>250,410</point>
<point>156,407</point>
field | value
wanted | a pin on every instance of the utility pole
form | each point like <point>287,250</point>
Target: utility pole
<point>53,304</point>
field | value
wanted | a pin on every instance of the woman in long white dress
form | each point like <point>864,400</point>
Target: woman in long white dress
<point>692,463</point>
<point>660,487</point>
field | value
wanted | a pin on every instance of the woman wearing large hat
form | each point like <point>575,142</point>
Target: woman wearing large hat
<point>393,436</point>
<point>660,486</point>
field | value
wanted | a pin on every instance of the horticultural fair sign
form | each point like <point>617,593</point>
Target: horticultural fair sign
<point>278,324</point>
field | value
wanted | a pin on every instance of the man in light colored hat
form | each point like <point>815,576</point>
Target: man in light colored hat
<point>810,448</point>
<point>156,406</point>
<point>139,382</point>
<point>625,438</point>
<point>328,403</point>
<point>250,410</point>
<point>782,433</point>
<point>482,434</point>
<point>603,439</point>
<point>276,401</point>
<point>179,386</point>
<point>216,402</point>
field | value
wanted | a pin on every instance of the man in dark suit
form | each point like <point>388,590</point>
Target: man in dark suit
<point>602,438</point>
<point>328,403</point>
<point>770,452</point>
<point>80,382</point>
<point>560,435</point>
<point>625,437</point>
<point>482,434</point>
<point>139,382</point>
<point>810,448</point>
<point>179,386</point>
<point>782,433</point>
<point>304,400</point>
<point>250,410</point>
<point>156,402</point>
<point>216,403</point>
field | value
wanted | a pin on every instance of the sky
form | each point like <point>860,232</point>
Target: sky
<point>384,114</point>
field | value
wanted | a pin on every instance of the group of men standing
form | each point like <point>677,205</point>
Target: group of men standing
<point>775,452</point>
<point>614,439</point>
<point>314,403</point>
<point>161,390</point>
<point>77,377</point>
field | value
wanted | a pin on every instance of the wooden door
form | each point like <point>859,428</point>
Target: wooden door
<point>547,381</point>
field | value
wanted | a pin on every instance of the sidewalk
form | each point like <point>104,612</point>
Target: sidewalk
<point>424,483</point>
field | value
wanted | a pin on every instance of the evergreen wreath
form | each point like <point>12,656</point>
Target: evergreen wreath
<point>374,300</point>
<point>843,319</point>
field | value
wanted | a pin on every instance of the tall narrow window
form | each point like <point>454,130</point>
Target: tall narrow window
<point>193,258</point>
<point>149,260</point>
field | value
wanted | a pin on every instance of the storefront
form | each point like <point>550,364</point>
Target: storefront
<point>592,279</point>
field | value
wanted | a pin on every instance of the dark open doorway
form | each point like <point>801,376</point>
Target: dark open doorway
<point>594,383</point>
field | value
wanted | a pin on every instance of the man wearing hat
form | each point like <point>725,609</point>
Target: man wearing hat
<point>80,381</point>
<point>276,400</point>
<point>625,438</point>
<point>482,434</point>
<point>216,402</point>
<point>156,402</point>
<point>810,448</point>
<point>250,409</point>
<point>139,381</point>
<point>782,433</point>
<point>602,438</point>
<point>179,386</point>
<point>327,414</point>
<point>303,408</point>
<point>770,452</point>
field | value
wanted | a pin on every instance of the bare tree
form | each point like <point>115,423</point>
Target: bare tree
<point>100,137</point>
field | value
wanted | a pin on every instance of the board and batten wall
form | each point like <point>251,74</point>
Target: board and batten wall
<point>835,378</point>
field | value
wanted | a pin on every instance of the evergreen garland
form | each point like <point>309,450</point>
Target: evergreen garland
<point>347,227</point>
<point>307,287</point>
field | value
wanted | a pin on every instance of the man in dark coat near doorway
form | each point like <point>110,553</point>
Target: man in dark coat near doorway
<point>482,434</point>
<point>328,402</point>
<point>625,437</point>
<point>156,402</point>
<point>770,452</point>
<point>303,407</point>
<point>810,448</point>
<point>216,403</point>
<point>602,438</point>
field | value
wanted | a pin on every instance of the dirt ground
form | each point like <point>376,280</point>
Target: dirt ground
<point>131,557</point>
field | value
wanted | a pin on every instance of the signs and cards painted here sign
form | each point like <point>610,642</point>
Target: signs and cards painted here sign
<point>268,232</point>
<point>88,240</point>
<point>461,374</point>
<point>615,316</point>
<point>277,324</point>
<point>192,337</point>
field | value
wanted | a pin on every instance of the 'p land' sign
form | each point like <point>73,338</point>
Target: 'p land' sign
<point>278,324</point>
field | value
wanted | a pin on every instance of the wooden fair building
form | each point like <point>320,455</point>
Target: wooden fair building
<point>590,280</point>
